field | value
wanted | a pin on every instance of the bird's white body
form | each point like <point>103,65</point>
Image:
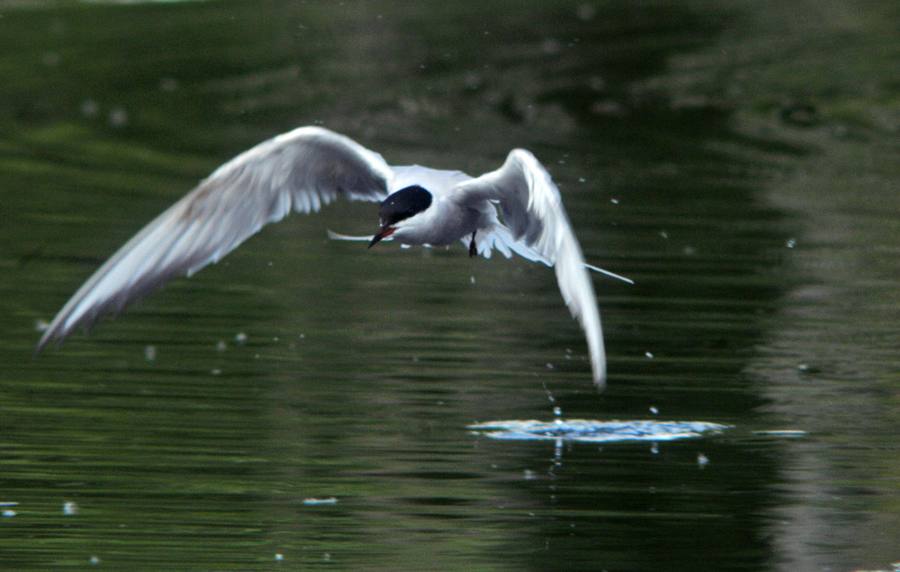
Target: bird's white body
<point>446,221</point>
<point>515,209</point>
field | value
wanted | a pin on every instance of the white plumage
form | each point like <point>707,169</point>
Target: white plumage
<point>310,167</point>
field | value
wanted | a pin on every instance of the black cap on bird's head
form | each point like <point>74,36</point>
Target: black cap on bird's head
<point>399,206</point>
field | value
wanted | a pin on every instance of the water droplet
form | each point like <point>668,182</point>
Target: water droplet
<point>654,449</point>
<point>791,242</point>
<point>473,81</point>
<point>8,513</point>
<point>118,117</point>
<point>150,353</point>
<point>89,108</point>
<point>702,460</point>
<point>168,84</point>
<point>94,560</point>
<point>550,397</point>
<point>551,46</point>
<point>221,346</point>
<point>597,83</point>
<point>654,410</point>
<point>279,556</point>
<point>586,11</point>
<point>240,338</point>
<point>664,234</point>
<point>557,411</point>
<point>41,325</point>
<point>471,279</point>
<point>50,59</point>
<point>70,508</point>
<point>614,201</point>
<point>648,355</point>
<point>320,501</point>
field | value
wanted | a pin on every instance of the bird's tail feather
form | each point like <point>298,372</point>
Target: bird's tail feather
<point>624,279</point>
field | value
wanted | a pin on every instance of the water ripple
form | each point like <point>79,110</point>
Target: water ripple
<point>592,431</point>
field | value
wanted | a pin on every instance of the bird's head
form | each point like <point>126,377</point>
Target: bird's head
<point>398,207</point>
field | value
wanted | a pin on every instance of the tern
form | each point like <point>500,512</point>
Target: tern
<point>515,209</point>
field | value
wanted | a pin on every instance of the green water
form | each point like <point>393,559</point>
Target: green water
<point>738,160</point>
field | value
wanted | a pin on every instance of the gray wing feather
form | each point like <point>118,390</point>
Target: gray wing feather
<point>301,170</point>
<point>532,210</point>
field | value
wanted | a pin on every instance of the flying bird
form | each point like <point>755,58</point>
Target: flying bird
<point>515,209</point>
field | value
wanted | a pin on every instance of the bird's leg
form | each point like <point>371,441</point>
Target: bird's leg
<point>472,249</point>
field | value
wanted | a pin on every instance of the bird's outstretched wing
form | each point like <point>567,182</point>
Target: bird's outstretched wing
<point>533,214</point>
<point>300,170</point>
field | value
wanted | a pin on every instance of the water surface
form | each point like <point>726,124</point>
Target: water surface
<point>738,161</point>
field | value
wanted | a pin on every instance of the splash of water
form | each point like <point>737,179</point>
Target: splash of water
<point>592,431</point>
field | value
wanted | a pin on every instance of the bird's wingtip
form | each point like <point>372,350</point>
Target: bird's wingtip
<point>52,336</point>
<point>42,344</point>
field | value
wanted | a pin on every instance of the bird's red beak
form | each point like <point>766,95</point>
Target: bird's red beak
<point>383,233</point>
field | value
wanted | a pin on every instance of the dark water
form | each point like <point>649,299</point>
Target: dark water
<point>738,160</point>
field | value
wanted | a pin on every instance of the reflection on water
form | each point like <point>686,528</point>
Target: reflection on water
<point>737,161</point>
